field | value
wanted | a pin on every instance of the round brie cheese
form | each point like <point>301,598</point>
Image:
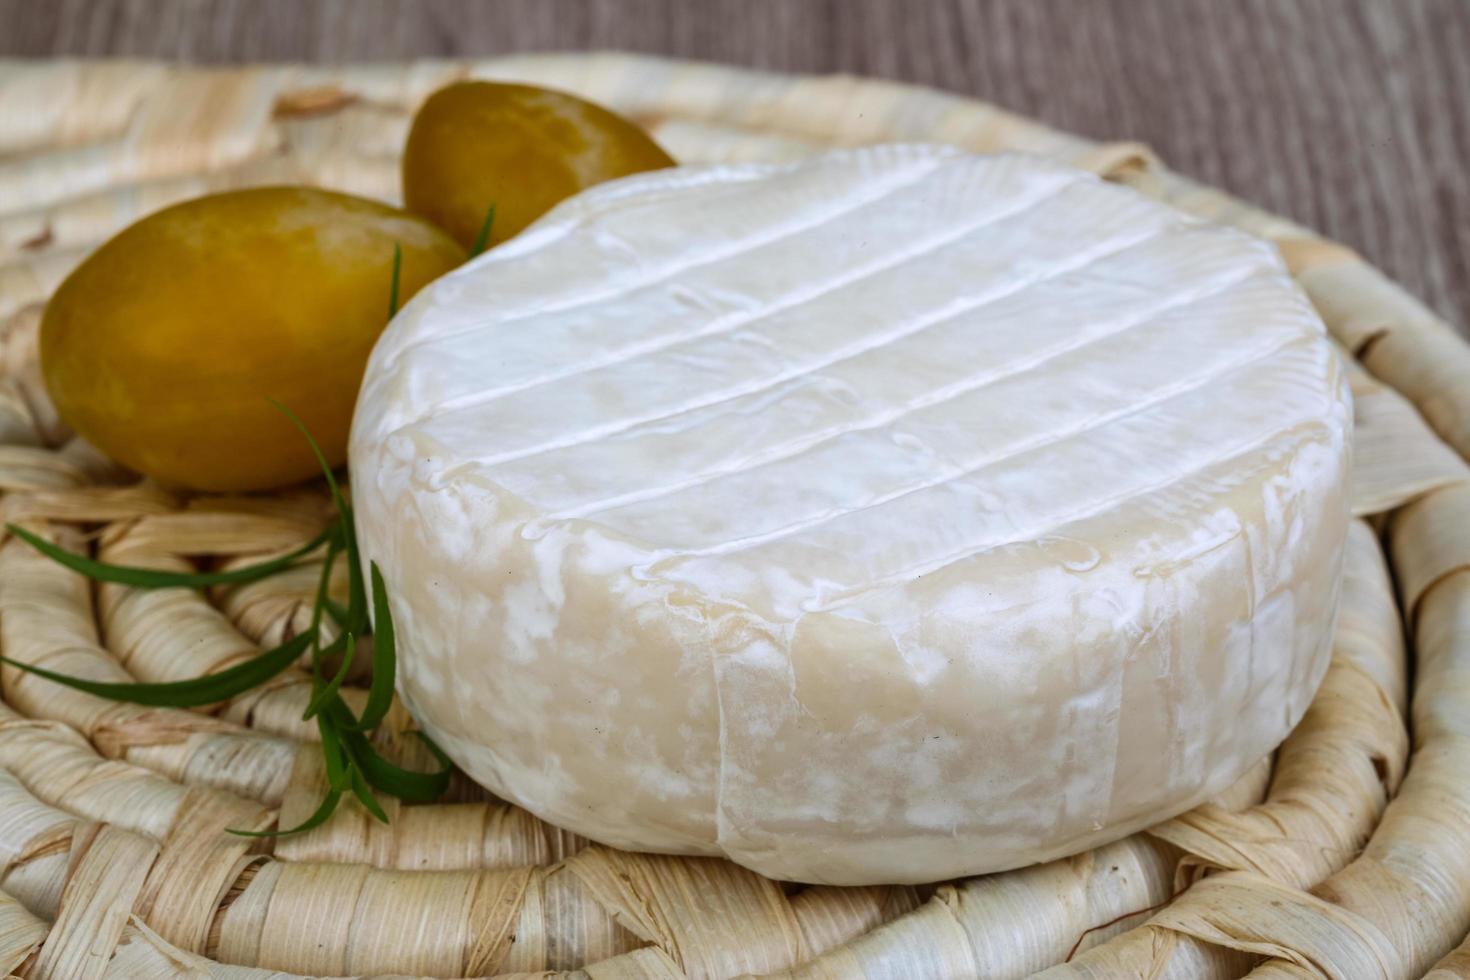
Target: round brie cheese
<point>891,516</point>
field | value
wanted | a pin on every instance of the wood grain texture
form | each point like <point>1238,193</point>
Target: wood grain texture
<point>1351,116</point>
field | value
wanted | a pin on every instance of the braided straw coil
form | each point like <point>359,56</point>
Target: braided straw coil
<point>1347,855</point>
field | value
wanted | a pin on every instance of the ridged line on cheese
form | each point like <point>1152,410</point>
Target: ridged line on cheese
<point>873,195</point>
<point>938,397</point>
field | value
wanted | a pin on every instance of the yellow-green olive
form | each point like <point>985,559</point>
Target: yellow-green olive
<point>165,345</point>
<point>516,147</point>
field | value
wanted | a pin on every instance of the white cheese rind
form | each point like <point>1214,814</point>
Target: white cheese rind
<point>892,516</point>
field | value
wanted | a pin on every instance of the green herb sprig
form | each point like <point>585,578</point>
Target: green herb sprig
<point>482,240</point>
<point>397,274</point>
<point>351,763</point>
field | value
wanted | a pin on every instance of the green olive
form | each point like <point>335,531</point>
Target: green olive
<point>519,148</point>
<point>164,346</point>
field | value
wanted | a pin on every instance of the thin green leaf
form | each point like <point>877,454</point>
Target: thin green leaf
<point>337,611</point>
<point>337,784</point>
<point>434,749</point>
<point>322,697</point>
<point>483,238</point>
<point>406,784</point>
<point>323,813</point>
<point>364,795</point>
<point>334,755</point>
<point>393,289</point>
<point>322,584</point>
<point>155,578</point>
<point>209,689</point>
<point>316,450</point>
<point>356,618</point>
<point>385,658</point>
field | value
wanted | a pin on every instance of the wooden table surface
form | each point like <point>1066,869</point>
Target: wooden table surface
<point>1351,116</point>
